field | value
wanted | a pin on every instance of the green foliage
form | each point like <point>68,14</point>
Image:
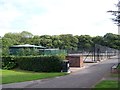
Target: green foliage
<point>85,43</point>
<point>13,36</point>
<point>64,41</point>
<point>45,40</point>
<point>27,52</point>
<point>111,40</point>
<point>6,42</point>
<point>8,62</point>
<point>116,14</point>
<point>26,34</point>
<point>61,56</point>
<point>34,63</point>
<point>56,41</point>
<point>40,63</point>
<point>69,42</point>
<point>35,40</point>
<point>97,39</point>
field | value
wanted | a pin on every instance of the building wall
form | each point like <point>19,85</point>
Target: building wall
<point>75,61</point>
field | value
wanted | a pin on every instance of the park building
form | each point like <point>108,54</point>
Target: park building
<point>28,49</point>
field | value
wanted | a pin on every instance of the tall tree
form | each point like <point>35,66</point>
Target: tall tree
<point>26,34</point>
<point>112,40</point>
<point>69,42</point>
<point>116,13</point>
<point>16,37</point>
<point>26,37</point>
<point>46,40</point>
<point>6,42</point>
<point>85,43</point>
<point>56,41</point>
<point>35,40</point>
<point>97,40</point>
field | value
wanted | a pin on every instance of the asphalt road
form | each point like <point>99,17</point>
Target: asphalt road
<point>84,78</point>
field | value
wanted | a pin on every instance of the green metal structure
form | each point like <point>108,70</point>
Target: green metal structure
<point>52,52</point>
<point>30,49</point>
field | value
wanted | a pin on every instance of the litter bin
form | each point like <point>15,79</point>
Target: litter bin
<point>65,66</point>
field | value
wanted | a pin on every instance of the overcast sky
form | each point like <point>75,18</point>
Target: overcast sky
<point>54,17</point>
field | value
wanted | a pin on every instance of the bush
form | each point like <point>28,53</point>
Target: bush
<point>34,63</point>
<point>8,62</point>
<point>40,63</point>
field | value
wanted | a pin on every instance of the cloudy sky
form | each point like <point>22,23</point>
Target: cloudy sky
<point>54,17</point>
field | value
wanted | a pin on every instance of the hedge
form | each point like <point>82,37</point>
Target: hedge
<point>8,62</point>
<point>40,64</point>
<point>34,63</point>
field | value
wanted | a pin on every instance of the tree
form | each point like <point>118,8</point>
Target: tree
<point>35,40</point>
<point>15,37</point>
<point>97,40</point>
<point>26,37</point>
<point>26,34</point>
<point>112,40</point>
<point>56,41</point>
<point>69,42</point>
<point>64,41</point>
<point>116,13</point>
<point>46,41</point>
<point>116,43</point>
<point>6,42</point>
<point>85,42</point>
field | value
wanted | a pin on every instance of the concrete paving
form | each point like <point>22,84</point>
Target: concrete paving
<point>84,77</point>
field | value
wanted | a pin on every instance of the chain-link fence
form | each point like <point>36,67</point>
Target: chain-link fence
<point>102,52</point>
<point>97,53</point>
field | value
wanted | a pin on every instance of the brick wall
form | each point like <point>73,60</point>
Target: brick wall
<point>75,60</point>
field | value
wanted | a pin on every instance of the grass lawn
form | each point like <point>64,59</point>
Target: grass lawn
<point>107,84</point>
<point>12,76</point>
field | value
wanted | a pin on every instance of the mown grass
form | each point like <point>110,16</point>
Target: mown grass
<point>107,84</point>
<point>13,76</point>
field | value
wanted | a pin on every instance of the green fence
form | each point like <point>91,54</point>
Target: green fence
<point>52,52</point>
<point>33,51</point>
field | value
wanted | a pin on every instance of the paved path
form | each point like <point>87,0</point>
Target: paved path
<point>83,78</point>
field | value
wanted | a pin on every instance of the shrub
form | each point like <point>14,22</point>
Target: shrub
<point>40,63</point>
<point>8,62</point>
<point>34,63</point>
